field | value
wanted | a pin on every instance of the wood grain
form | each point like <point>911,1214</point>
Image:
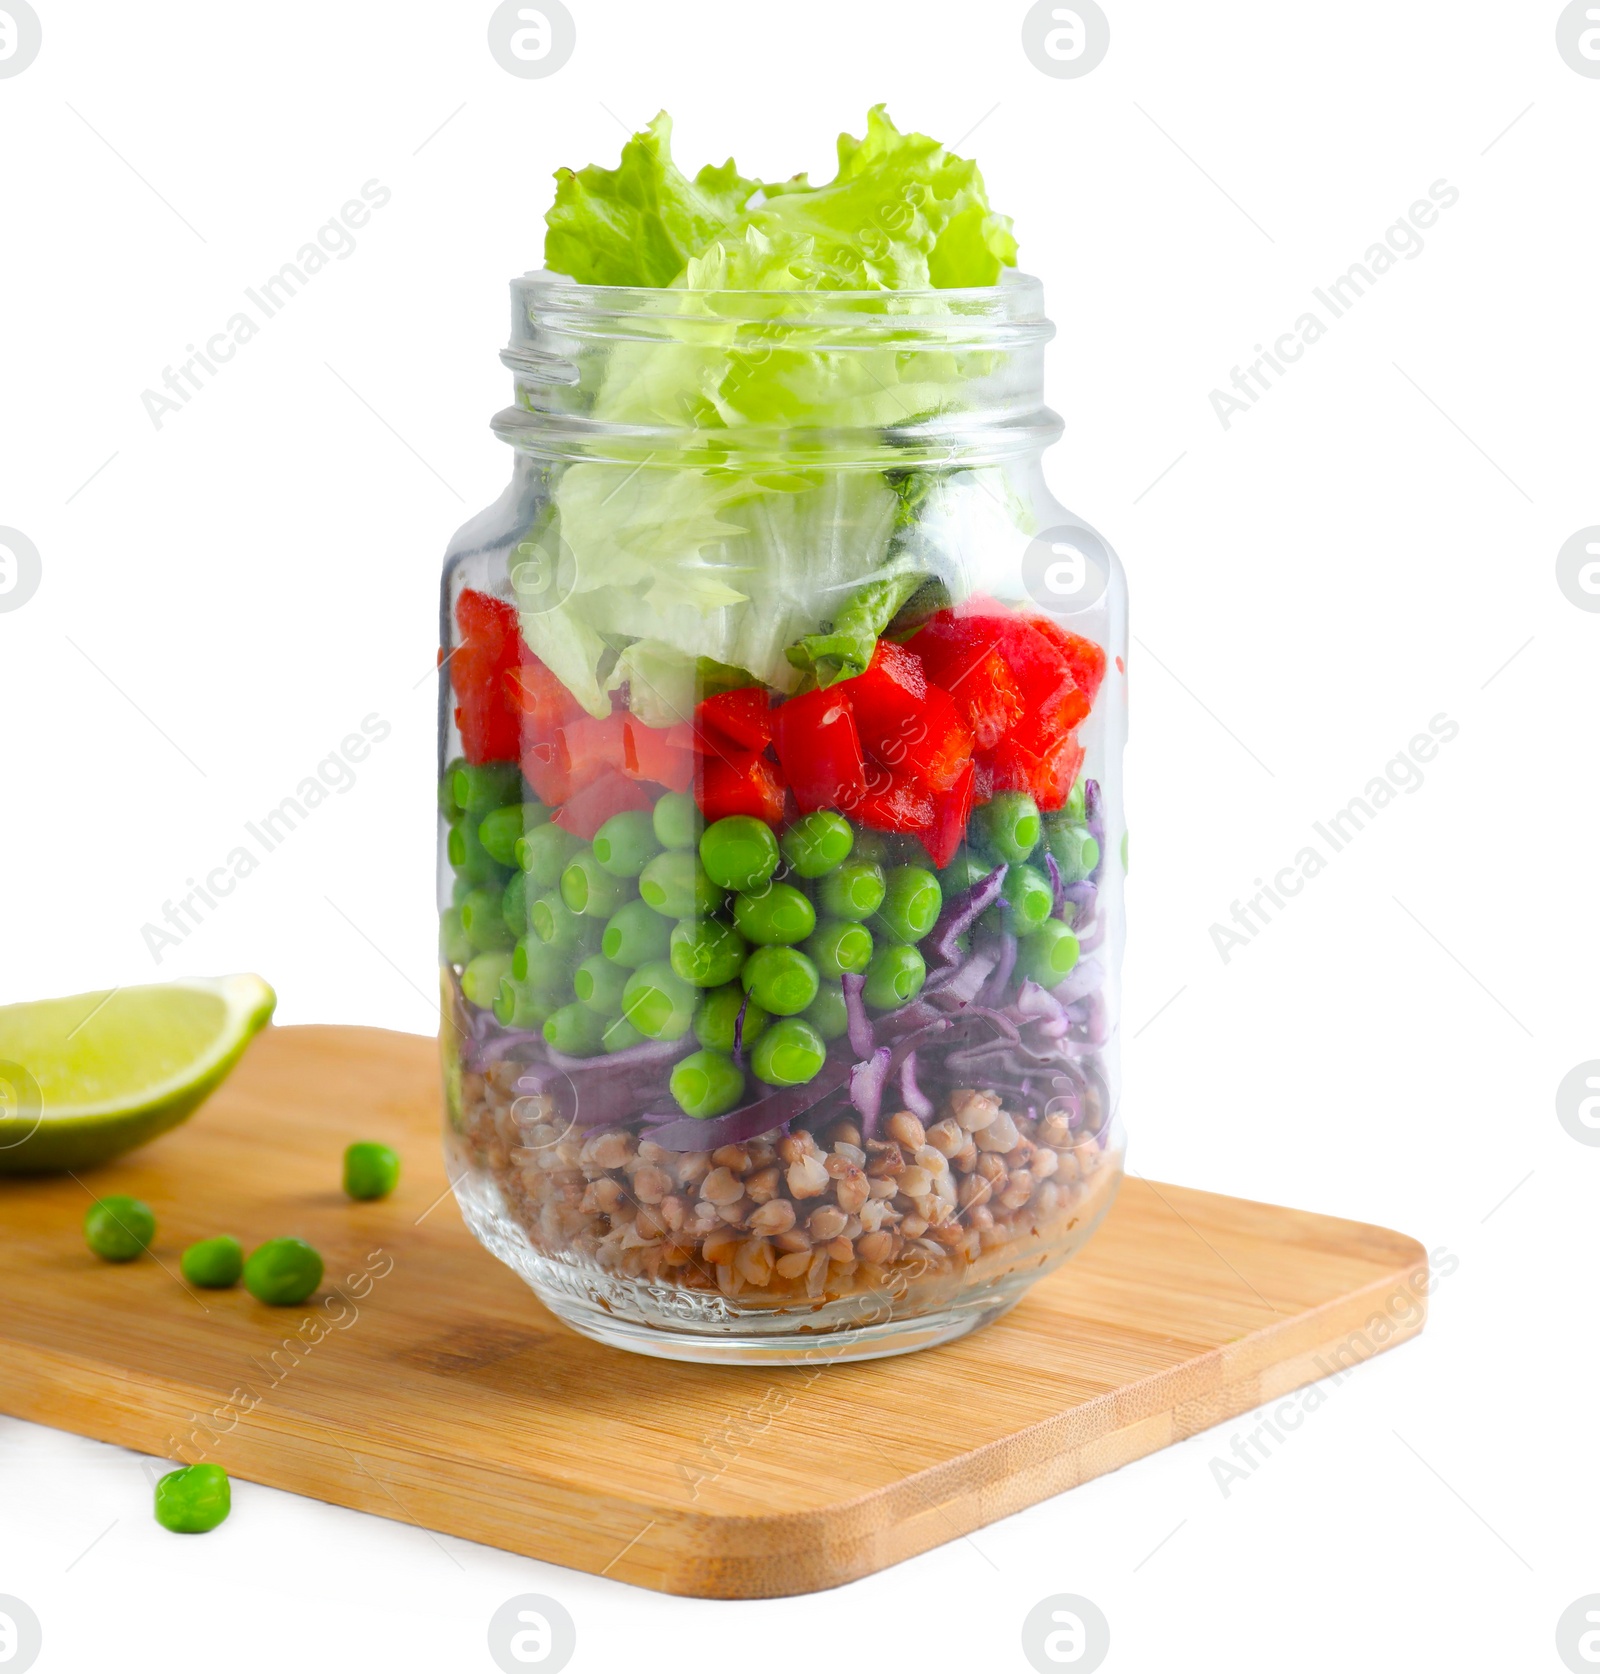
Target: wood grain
<point>426,1383</point>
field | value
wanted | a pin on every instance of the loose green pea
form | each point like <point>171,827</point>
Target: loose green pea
<point>483,920</point>
<point>523,1005</point>
<point>896,974</point>
<point>283,1272</point>
<point>598,982</point>
<point>676,821</point>
<point>782,979</point>
<point>818,842</point>
<point>1031,897</point>
<point>1048,954</point>
<point>789,1053</point>
<point>500,829</point>
<point>543,854</point>
<point>193,1500</point>
<point>718,1013</point>
<point>588,888</point>
<point>477,789</point>
<point>839,946</point>
<point>706,1084</point>
<point>119,1228</point>
<point>481,979</point>
<point>620,1035</point>
<point>828,1014</point>
<point>739,852</point>
<point>625,843</point>
<point>1076,851</point>
<point>575,1030</point>
<point>911,902</point>
<point>213,1263</point>
<point>658,1002</point>
<point>706,952</point>
<point>371,1171</point>
<point>775,913</point>
<point>676,885</point>
<point>855,890</point>
<point>1009,825</point>
<point>454,948</point>
<point>635,934</point>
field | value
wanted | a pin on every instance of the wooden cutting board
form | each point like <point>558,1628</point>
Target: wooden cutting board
<point>433,1388</point>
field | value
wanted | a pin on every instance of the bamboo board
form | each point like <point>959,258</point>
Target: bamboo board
<point>430,1385</point>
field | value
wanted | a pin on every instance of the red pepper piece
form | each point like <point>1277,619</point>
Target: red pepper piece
<point>744,717</point>
<point>817,743</point>
<point>586,810</point>
<point>540,699</point>
<point>546,768</point>
<point>1042,658</point>
<point>594,744</point>
<point>1086,662</point>
<point>951,813</point>
<point>1056,774</point>
<point>893,802</point>
<point>489,643</point>
<point>739,782</point>
<point>662,755</point>
<point>962,655</point>
<point>904,722</point>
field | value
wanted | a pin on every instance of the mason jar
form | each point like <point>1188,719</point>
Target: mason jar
<point>781,838</point>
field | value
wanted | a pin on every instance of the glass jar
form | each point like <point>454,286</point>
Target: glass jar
<point>781,837</point>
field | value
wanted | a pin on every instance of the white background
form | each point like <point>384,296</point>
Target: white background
<point>230,594</point>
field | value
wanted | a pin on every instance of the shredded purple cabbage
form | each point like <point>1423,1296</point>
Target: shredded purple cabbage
<point>776,1110</point>
<point>1058,890</point>
<point>738,1032</point>
<point>867,1079</point>
<point>1094,818</point>
<point>916,1101</point>
<point>855,1008</point>
<point>1082,980</point>
<point>994,990</point>
<point>961,912</point>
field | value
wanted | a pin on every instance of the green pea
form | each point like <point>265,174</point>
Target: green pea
<point>598,982</point>
<point>658,1002</point>
<point>454,948</point>
<point>911,902</point>
<point>1076,851</point>
<point>818,842</point>
<point>484,922</point>
<point>828,1014</point>
<point>283,1272</point>
<point>718,1013</point>
<point>193,1500</point>
<point>706,952</point>
<point>1076,806</point>
<point>967,869</point>
<point>119,1228</point>
<point>514,904</point>
<point>739,852</point>
<point>539,964</point>
<point>706,1083</point>
<point>1048,954</point>
<point>213,1263</point>
<point>676,821</point>
<point>523,1005</point>
<point>575,1030</point>
<point>588,888</point>
<point>480,981</point>
<point>543,854</point>
<point>471,859</point>
<point>500,829</point>
<point>774,914</point>
<point>874,846</point>
<point>625,843</point>
<point>1031,897</point>
<point>678,886</point>
<point>478,789</point>
<point>896,974</point>
<point>448,806</point>
<point>789,1053</point>
<point>460,889</point>
<point>839,946</point>
<point>371,1170</point>
<point>620,1035</point>
<point>782,979</point>
<point>854,891</point>
<point>558,925</point>
<point>634,935</point>
<point>1008,826</point>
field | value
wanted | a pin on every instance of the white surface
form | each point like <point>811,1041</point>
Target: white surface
<point>1321,578</point>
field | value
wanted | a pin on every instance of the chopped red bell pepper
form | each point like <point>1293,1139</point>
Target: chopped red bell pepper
<point>538,697</point>
<point>951,812</point>
<point>1047,776</point>
<point>663,755</point>
<point>893,802</point>
<point>594,744</point>
<point>817,743</point>
<point>1086,662</point>
<point>739,782</point>
<point>744,717</point>
<point>904,722</point>
<point>546,768</point>
<point>489,644</point>
<point>963,655</point>
<point>586,810</point>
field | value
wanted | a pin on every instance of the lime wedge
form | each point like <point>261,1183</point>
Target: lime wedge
<point>86,1078</point>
